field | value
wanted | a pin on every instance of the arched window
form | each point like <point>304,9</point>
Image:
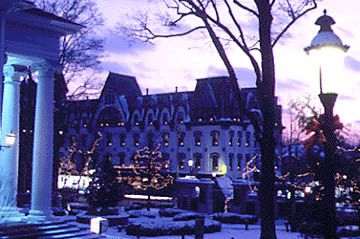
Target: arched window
<point>239,160</point>
<point>197,137</point>
<point>166,161</point>
<point>122,159</point>
<point>215,137</point>
<point>215,161</point>
<point>231,138</point>
<point>122,139</point>
<point>150,120</point>
<point>109,117</point>
<point>150,139</point>
<point>136,139</point>
<point>239,141</point>
<point>136,120</point>
<point>181,139</point>
<point>181,160</point>
<point>165,119</point>
<point>247,139</point>
<point>197,157</point>
<point>231,161</point>
<point>166,139</point>
<point>180,118</point>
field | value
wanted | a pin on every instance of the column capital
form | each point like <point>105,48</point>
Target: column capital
<point>13,72</point>
<point>45,66</point>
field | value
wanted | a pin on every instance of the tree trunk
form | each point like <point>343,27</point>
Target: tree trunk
<point>266,90</point>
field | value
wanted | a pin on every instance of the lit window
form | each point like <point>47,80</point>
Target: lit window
<point>150,119</point>
<point>108,139</point>
<point>181,137</point>
<point>247,139</point>
<point>239,142</point>
<point>165,119</point>
<point>166,138</point>
<point>215,161</point>
<point>215,137</point>
<point>166,161</point>
<point>231,138</point>
<point>136,139</point>
<point>181,160</point>
<point>197,158</point>
<point>197,137</point>
<point>239,160</point>
<point>122,159</point>
<point>180,118</point>
<point>122,138</point>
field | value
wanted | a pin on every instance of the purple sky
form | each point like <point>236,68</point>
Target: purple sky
<point>179,61</point>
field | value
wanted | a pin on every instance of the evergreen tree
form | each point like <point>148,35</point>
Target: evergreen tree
<point>104,190</point>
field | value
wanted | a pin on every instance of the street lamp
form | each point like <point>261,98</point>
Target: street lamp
<point>191,163</point>
<point>9,140</point>
<point>327,46</point>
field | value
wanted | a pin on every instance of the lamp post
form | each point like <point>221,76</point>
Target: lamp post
<point>191,163</point>
<point>325,46</point>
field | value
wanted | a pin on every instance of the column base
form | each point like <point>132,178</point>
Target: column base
<point>10,214</point>
<point>37,215</point>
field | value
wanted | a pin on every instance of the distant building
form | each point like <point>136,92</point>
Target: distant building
<point>209,125</point>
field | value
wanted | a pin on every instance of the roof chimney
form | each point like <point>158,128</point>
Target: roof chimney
<point>176,89</point>
<point>147,91</point>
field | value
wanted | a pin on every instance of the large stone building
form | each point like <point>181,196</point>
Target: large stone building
<point>209,125</point>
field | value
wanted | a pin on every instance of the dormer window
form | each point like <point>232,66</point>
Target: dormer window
<point>136,120</point>
<point>150,120</point>
<point>180,118</point>
<point>109,99</point>
<point>165,119</point>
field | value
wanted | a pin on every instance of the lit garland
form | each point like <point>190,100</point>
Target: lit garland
<point>68,168</point>
<point>147,169</point>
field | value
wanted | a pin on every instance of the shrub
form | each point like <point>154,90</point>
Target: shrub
<point>142,213</point>
<point>187,216</point>
<point>234,218</point>
<point>170,212</point>
<point>156,227</point>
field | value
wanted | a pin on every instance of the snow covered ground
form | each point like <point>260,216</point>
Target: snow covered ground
<point>228,231</point>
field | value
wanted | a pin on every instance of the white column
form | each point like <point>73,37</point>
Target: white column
<point>43,145</point>
<point>9,156</point>
<point>2,58</point>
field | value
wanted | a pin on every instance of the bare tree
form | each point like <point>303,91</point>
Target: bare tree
<point>223,23</point>
<point>82,51</point>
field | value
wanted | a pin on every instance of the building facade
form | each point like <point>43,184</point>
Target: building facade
<point>209,126</point>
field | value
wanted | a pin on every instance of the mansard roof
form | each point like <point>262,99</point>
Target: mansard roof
<point>121,85</point>
<point>82,106</point>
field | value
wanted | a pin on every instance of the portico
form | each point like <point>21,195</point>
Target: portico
<point>29,40</point>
